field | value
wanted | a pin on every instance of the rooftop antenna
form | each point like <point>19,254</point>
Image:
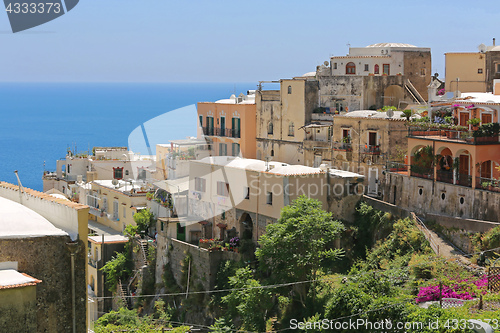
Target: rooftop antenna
<point>348,46</point>
<point>267,162</point>
<point>21,188</point>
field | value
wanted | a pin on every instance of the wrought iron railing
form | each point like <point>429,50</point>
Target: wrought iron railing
<point>488,184</point>
<point>464,180</point>
<point>371,149</point>
<point>444,176</point>
<point>343,146</point>
<point>462,136</point>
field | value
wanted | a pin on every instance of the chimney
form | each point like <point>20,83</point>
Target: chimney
<point>493,41</point>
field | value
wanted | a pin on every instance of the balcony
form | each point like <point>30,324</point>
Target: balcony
<point>464,180</point>
<point>444,176</point>
<point>209,131</point>
<point>342,146</point>
<point>222,132</point>
<point>488,184</point>
<point>453,135</point>
<point>422,172</point>
<point>371,150</point>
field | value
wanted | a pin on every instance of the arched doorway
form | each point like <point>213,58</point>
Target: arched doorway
<point>444,172</point>
<point>246,227</point>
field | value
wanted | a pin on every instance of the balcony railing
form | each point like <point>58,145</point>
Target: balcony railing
<point>461,136</point>
<point>464,180</point>
<point>342,146</point>
<point>397,167</point>
<point>422,172</point>
<point>444,176</point>
<point>488,184</point>
<point>223,132</point>
<point>208,131</point>
<point>371,149</point>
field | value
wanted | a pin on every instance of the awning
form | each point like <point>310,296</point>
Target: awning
<point>183,220</point>
<point>222,225</point>
<point>174,185</point>
<point>101,229</point>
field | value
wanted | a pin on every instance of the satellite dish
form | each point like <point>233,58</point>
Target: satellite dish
<point>114,182</point>
<point>390,113</point>
<point>326,63</point>
<point>482,48</point>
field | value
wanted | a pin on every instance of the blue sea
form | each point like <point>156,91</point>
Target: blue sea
<point>40,121</point>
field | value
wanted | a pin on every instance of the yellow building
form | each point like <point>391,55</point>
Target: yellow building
<point>113,203</point>
<point>102,248</point>
<point>280,115</point>
<point>465,71</point>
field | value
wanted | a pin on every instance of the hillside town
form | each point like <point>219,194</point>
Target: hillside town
<point>371,132</point>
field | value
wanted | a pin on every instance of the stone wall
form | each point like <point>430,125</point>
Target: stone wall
<point>48,259</point>
<point>204,264</point>
<point>425,196</point>
<point>18,309</point>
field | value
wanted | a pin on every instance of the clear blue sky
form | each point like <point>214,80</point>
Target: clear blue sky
<point>230,41</point>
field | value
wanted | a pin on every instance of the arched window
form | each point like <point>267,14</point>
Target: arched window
<point>291,130</point>
<point>289,89</point>
<point>350,68</point>
<point>377,70</point>
<point>270,128</point>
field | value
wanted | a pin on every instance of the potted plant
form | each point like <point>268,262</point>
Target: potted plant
<point>474,122</point>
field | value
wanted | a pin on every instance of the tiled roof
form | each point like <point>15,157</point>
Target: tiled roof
<point>42,195</point>
<point>10,278</point>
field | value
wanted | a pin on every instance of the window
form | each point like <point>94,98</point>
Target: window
<point>269,198</point>
<point>118,173</point>
<point>422,72</point>
<point>291,130</point>
<point>367,67</point>
<point>124,212</point>
<point>350,68</point>
<point>210,126</point>
<point>376,69</point>
<point>339,106</point>
<point>126,172</point>
<point>479,71</point>
<point>272,152</point>
<point>115,210</point>
<point>105,205</point>
<point>317,161</point>
<point>486,118</point>
<point>289,89</point>
<point>223,189</point>
<point>236,149</point>
<point>201,121</point>
<point>223,215</point>
<point>334,65</point>
<point>386,69</point>
<point>236,123</point>
<point>222,149</point>
<point>270,128</point>
<point>246,192</point>
<point>200,184</point>
<point>497,66</point>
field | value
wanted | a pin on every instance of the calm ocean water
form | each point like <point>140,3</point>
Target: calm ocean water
<point>40,121</point>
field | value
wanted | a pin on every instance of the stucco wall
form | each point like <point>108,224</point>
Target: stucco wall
<point>465,67</point>
<point>18,309</point>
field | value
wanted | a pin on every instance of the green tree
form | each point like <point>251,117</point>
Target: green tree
<point>294,248</point>
<point>144,219</point>
<point>249,301</point>
<point>116,269</point>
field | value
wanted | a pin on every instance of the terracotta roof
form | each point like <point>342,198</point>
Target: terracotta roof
<point>23,282</point>
<point>44,196</point>
<point>360,56</point>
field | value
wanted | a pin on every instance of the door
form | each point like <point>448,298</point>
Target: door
<point>372,181</point>
<point>222,126</point>
<point>486,118</point>
<point>464,165</point>
<point>236,127</point>
<point>464,118</point>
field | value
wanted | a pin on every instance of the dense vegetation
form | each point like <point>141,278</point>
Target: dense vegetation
<point>301,275</point>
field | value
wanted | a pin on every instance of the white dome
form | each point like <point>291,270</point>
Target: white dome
<point>18,221</point>
<point>391,45</point>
